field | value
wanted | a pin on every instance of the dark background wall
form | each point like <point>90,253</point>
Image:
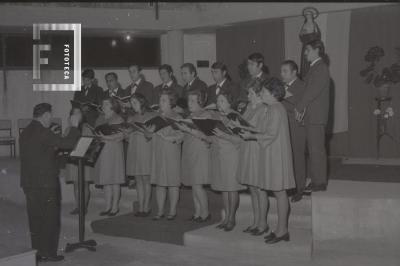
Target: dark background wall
<point>378,26</point>
<point>235,43</point>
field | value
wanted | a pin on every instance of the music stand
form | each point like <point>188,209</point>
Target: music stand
<point>86,150</point>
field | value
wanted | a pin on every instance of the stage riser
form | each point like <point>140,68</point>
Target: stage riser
<point>357,210</point>
<point>23,259</point>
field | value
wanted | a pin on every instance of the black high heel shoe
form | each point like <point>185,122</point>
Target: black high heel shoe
<point>113,213</point>
<point>203,220</point>
<point>104,213</point>
<point>259,232</point>
<point>275,239</point>
<point>229,226</point>
<point>269,236</point>
<point>158,217</point>
<point>249,229</point>
<point>146,214</point>
<point>171,217</point>
<point>194,218</point>
<point>221,226</point>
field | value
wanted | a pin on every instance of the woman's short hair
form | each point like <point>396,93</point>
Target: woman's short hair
<point>276,87</point>
<point>115,106</point>
<point>144,104</point>
<point>191,67</point>
<point>201,96</point>
<point>172,96</point>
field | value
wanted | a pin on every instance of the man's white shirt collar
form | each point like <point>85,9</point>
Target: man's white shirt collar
<point>259,75</point>
<point>315,61</point>
<point>137,82</point>
<point>191,82</point>
<point>168,84</point>
<point>290,83</point>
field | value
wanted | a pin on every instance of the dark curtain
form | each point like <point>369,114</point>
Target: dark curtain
<point>236,43</point>
<point>377,26</point>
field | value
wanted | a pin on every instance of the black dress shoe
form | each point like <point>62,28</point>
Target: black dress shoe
<point>276,239</point>
<point>308,189</point>
<point>105,213</point>
<point>51,258</point>
<point>113,213</point>
<point>297,197</point>
<point>321,187</point>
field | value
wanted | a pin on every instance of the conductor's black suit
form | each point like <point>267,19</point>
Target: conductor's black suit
<point>39,180</point>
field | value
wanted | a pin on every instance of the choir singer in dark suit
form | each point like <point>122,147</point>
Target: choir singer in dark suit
<point>89,93</point>
<point>313,109</point>
<point>294,91</point>
<point>39,179</point>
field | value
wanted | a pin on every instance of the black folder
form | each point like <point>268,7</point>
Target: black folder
<point>124,99</point>
<point>158,122</point>
<point>79,104</point>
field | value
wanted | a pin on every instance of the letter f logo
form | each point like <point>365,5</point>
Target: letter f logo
<point>37,48</point>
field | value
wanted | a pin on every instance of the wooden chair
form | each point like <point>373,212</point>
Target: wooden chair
<point>8,139</point>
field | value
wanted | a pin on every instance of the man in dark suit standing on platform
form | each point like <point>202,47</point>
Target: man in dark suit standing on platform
<point>140,85</point>
<point>192,83</point>
<point>89,93</point>
<point>294,91</point>
<point>223,83</point>
<point>313,109</point>
<point>39,179</point>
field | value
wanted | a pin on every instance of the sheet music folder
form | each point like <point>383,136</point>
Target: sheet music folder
<point>88,149</point>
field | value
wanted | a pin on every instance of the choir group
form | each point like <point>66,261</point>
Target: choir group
<point>253,149</point>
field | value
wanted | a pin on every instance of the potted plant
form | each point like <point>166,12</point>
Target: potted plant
<point>381,77</point>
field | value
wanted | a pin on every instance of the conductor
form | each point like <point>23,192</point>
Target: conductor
<point>39,178</point>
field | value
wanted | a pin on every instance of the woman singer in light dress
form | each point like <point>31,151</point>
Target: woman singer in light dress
<point>138,162</point>
<point>275,156</point>
<point>166,158</point>
<point>110,166</point>
<point>225,162</point>
<point>196,156</point>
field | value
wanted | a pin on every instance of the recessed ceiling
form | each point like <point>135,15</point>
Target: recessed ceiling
<point>118,5</point>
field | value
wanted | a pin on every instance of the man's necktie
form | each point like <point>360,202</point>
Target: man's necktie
<point>218,90</point>
<point>86,91</point>
<point>134,87</point>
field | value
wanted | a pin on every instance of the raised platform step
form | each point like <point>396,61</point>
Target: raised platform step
<point>27,258</point>
<point>210,238</point>
<point>300,246</point>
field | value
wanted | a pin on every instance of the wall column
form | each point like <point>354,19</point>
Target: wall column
<point>172,51</point>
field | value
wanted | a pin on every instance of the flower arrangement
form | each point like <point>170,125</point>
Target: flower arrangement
<point>380,75</point>
<point>386,114</point>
